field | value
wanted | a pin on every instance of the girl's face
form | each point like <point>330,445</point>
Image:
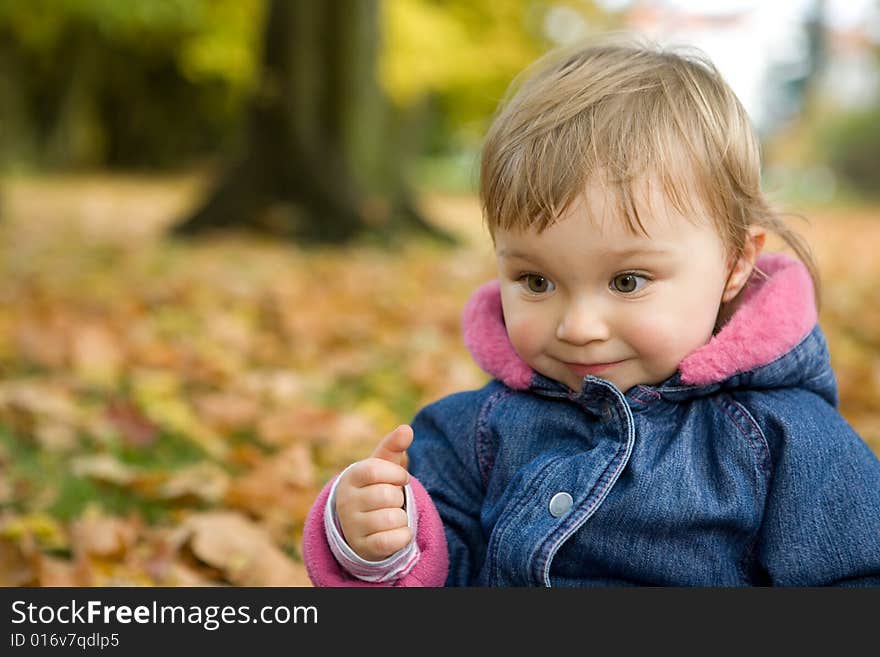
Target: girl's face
<point>586,296</point>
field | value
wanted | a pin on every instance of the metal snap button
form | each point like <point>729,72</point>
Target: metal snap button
<point>560,504</point>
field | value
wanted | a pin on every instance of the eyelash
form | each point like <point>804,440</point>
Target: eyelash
<point>634,274</point>
<point>523,280</point>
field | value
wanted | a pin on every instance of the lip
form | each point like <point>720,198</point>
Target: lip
<point>583,369</point>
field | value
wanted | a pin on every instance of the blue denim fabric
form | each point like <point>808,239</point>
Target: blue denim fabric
<point>756,480</point>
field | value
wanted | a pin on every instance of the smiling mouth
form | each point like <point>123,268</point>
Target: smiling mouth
<point>594,368</point>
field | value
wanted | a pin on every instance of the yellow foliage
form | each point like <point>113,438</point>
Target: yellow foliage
<point>41,527</point>
<point>442,47</point>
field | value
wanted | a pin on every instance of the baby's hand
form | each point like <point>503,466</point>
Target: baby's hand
<point>369,499</point>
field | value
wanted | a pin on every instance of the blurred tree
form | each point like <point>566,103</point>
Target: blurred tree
<point>166,84</point>
<point>789,88</point>
<point>89,83</point>
<point>455,59</point>
<point>321,161</point>
<point>850,141</point>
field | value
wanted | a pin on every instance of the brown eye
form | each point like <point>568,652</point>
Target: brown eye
<point>538,284</point>
<point>626,283</point>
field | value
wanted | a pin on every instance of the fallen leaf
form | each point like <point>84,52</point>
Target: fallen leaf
<point>135,428</point>
<point>227,411</point>
<point>40,399</point>
<point>280,481</point>
<point>242,550</point>
<point>203,481</point>
<point>16,569</point>
<point>296,425</point>
<point>97,535</point>
<point>55,436</point>
<point>282,387</point>
<point>34,529</point>
<point>6,488</point>
<point>52,571</point>
<point>104,467</point>
<point>42,341</point>
<point>96,354</point>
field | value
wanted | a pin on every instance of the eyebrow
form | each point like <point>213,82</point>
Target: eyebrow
<point>510,253</point>
<point>640,250</point>
<point>621,253</point>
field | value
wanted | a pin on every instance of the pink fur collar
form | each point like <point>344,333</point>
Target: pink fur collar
<point>776,313</point>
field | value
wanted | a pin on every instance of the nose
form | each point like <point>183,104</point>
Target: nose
<point>582,323</point>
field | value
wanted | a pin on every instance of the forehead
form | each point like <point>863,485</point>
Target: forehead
<point>596,220</point>
<point>609,207</point>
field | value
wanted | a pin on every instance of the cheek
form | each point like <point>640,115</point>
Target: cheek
<point>526,329</point>
<point>675,337</point>
<point>525,335</point>
<point>670,336</point>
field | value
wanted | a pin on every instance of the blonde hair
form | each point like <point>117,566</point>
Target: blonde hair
<point>614,111</point>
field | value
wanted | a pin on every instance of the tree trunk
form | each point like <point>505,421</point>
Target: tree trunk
<point>316,166</point>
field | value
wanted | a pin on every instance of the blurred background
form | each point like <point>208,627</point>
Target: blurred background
<point>236,237</point>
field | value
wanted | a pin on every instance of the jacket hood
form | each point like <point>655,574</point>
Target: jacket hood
<point>771,341</point>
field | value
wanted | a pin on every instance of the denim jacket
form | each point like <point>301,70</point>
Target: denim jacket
<point>737,470</point>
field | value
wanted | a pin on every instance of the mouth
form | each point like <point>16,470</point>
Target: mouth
<point>583,369</point>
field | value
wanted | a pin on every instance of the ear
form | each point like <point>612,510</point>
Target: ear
<point>743,268</point>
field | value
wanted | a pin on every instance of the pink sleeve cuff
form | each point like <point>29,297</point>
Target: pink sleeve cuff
<point>389,569</point>
<point>429,570</point>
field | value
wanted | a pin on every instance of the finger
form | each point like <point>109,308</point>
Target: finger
<point>380,496</point>
<point>383,544</point>
<point>393,446</point>
<point>377,471</point>
<point>381,520</point>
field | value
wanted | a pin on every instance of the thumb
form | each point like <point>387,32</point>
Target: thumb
<point>393,446</point>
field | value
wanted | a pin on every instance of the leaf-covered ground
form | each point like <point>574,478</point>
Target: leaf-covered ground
<point>168,411</point>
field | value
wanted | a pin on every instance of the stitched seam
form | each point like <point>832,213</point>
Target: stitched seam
<point>751,544</point>
<point>603,485</point>
<point>518,506</point>
<point>652,393</point>
<point>680,388</point>
<point>484,452</point>
<point>745,434</point>
<point>764,445</point>
<point>749,556</point>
